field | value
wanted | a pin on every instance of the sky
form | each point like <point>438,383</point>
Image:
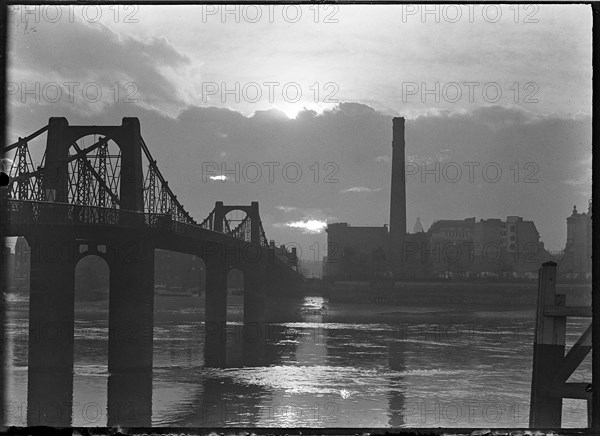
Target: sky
<point>292,106</point>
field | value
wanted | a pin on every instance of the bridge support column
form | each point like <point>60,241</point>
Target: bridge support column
<point>215,334</point>
<point>254,333</point>
<point>131,321</point>
<point>51,321</point>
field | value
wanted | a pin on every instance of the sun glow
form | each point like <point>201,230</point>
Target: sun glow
<point>291,110</point>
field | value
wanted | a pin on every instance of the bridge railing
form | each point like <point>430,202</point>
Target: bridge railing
<point>31,212</point>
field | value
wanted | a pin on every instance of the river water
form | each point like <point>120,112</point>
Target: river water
<point>328,365</point>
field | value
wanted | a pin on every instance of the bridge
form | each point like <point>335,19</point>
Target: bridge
<point>108,198</point>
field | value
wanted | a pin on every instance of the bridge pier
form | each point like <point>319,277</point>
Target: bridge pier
<point>51,329</point>
<point>254,330</point>
<point>131,320</point>
<point>215,319</point>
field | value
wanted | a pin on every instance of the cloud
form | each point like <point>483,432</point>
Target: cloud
<point>584,180</point>
<point>312,221</point>
<point>270,115</point>
<point>221,178</point>
<point>383,159</point>
<point>286,208</point>
<point>309,226</point>
<point>439,156</point>
<point>86,53</point>
<point>360,189</point>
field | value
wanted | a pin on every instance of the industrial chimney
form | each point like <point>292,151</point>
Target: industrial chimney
<point>398,197</point>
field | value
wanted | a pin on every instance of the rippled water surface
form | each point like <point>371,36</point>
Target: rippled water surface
<point>332,365</point>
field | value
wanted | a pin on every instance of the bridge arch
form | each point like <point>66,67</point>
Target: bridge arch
<point>235,280</point>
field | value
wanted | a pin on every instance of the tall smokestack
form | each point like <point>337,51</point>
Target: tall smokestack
<point>398,199</point>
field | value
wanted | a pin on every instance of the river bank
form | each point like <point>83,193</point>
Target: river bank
<point>453,293</point>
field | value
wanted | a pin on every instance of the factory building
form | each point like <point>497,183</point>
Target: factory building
<point>466,248</point>
<point>355,253</point>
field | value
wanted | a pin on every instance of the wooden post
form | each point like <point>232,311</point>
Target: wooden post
<point>551,368</point>
<point>548,350</point>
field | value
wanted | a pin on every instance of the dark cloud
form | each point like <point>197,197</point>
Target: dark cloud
<point>83,52</point>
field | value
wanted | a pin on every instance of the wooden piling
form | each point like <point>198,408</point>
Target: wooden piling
<point>551,368</point>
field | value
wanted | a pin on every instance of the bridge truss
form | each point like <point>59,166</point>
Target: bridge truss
<point>95,172</point>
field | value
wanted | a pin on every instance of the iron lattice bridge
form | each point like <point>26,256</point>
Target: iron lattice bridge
<point>85,183</point>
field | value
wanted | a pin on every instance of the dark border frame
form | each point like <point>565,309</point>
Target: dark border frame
<point>594,430</point>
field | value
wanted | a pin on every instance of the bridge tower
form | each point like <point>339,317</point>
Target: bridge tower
<point>221,211</point>
<point>54,256</point>
<point>61,137</point>
<point>253,332</point>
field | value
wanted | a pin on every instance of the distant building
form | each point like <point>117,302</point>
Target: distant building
<point>355,253</point>
<point>449,247</point>
<point>577,260</point>
<point>488,248</point>
<point>452,230</point>
<point>414,260</point>
<point>524,250</point>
